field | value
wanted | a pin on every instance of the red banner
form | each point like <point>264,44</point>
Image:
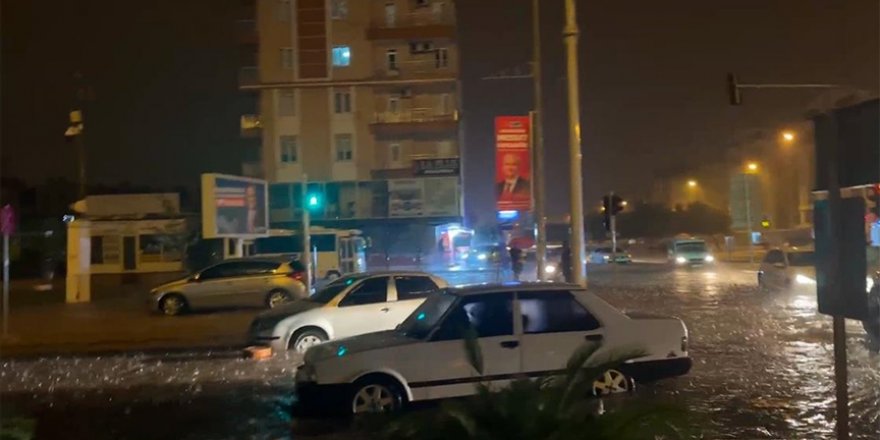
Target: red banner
<point>513,164</point>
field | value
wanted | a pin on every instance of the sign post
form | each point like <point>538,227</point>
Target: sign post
<point>7,228</point>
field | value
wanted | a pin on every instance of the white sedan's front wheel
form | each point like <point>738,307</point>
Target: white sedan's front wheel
<point>305,339</point>
<point>613,382</point>
<point>376,396</point>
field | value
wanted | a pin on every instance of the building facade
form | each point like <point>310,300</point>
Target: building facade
<point>362,97</point>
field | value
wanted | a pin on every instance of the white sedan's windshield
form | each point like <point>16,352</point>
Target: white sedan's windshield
<point>420,323</point>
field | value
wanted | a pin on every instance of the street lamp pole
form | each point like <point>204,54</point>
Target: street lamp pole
<point>538,151</point>
<point>749,216</point>
<point>570,37</point>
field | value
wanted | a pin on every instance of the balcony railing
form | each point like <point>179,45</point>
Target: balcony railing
<point>414,19</point>
<point>428,24</point>
<point>417,69</point>
<point>246,30</point>
<point>415,116</point>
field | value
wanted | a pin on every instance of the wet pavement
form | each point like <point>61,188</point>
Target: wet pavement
<point>763,369</point>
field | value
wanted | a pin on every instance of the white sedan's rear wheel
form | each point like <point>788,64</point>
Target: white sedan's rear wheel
<point>613,382</point>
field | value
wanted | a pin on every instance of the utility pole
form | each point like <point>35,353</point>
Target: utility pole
<point>570,37</point>
<point>307,237</point>
<point>538,150</point>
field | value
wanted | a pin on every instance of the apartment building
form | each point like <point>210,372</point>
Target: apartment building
<point>362,97</point>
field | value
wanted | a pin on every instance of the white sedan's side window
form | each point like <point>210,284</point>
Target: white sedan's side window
<point>371,291</point>
<point>554,312</point>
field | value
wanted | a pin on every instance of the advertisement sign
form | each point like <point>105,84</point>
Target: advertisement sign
<point>436,167</point>
<point>405,198</point>
<point>441,197</point>
<point>513,186</point>
<point>234,207</point>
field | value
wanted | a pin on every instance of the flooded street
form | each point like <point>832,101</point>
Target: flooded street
<point>763,369</point>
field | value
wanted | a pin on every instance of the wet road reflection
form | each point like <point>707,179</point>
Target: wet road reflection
<point>763,369</point>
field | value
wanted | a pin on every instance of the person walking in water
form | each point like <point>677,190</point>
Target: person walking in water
<point>516,263</point>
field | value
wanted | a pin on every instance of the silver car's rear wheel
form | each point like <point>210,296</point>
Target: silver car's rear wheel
<point>376,396</point>
<point>613,382</point>
<point>172,304</point>
<point>277,298</point>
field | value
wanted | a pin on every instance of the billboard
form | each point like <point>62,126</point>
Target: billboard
<point>405,198</point>
<point>513,186</point>
<point>234,207</point>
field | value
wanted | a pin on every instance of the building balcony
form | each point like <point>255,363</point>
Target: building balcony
<point>417,69</point>
<point>251,126</point>
<point>252,169</point>
<point>248,76</point>
<point>246,31</point>
<point>415,121</point>
<point>416,26</point>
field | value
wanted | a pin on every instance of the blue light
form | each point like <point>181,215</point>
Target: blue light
<point>508,215</point>
<point>341,351</point>
<point>421,316</point>
<point>313,200</point>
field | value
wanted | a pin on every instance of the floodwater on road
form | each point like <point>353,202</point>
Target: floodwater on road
<point>763,369</point>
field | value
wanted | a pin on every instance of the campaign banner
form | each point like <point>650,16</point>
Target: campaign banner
<point>234,207</point>
<point>513,184</point>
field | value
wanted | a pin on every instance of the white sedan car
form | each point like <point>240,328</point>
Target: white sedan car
<point>352,305</point>
<point>523,330</point>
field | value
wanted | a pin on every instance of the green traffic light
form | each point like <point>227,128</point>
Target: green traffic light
<point>313,200</point>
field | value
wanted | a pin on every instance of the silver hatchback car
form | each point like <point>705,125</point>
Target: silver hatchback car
<point>241,282</point>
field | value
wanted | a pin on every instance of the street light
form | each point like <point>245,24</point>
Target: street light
<point>752,167</point>
<point>692,183</point>
<point>788,136</point>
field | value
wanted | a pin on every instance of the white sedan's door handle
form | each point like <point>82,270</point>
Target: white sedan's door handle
<point>385,309</point>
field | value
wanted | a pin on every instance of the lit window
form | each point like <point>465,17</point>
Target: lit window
<point>289,149</point>
<point>341,56</point>
<point>342,102</point>
<point>344,148</point>
<point>339,9</point>
<point>287,58</point>
<point>286,103</point>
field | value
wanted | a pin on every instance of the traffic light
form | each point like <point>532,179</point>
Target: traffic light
<point>733,89</point>
<point>612,204</point>
<point>314,201</point>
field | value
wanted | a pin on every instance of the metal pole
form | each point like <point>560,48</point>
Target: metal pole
<point>538,150</point>
<point>307,237</point>
<point>81,153</point>
<point>840,377</point>
<point>613,220</point>
<point>5,284</point>
<point>749,216</point>
<point>570,37</point>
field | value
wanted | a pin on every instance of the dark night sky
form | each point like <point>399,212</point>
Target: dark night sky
<point>652,76</point>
